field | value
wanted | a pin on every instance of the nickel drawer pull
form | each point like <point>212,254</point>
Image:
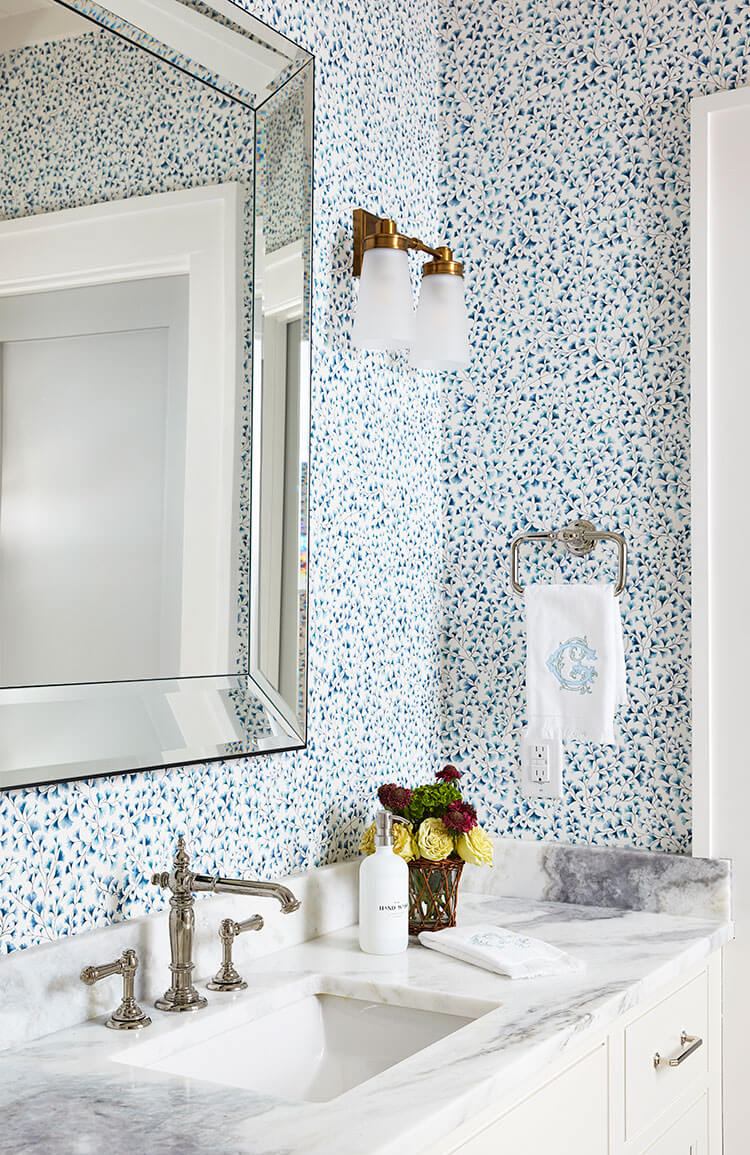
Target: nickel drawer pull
<point>689,1042</point>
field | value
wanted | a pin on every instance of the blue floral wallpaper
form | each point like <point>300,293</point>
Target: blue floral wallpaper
<point>549,140</point>
<point>78,855</point>
<point>566,185</point>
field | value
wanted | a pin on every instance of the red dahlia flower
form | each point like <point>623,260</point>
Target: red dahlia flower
<point>448,774</point>
<point>394,798</point>
<point>460,817</point>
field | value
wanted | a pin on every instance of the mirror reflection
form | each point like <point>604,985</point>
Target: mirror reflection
<point>282,368</point>
<point>154,384</point>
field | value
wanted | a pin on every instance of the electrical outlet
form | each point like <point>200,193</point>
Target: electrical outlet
<point>539,762</point>
<point>541,768</point>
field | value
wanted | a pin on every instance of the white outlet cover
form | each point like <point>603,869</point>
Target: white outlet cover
<point>530,787</point>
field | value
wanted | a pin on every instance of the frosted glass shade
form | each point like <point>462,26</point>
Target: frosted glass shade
<point>442,330</point>
<point>385,309</point>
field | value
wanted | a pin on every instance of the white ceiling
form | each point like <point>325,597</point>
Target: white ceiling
<point>16,7</point>
<point>252,64</point>
<point>24,22</point>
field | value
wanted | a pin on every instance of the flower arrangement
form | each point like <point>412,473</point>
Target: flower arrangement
<point>438,834</point>
<point>440,824</point>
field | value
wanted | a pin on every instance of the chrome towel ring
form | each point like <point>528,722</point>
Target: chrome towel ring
<point>579,538</point>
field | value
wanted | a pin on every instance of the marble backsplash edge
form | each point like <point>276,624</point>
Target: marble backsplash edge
<point>40,989</point>
<point>606,876</point>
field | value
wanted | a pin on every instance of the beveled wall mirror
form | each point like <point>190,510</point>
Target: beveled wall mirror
<point>155,239</point>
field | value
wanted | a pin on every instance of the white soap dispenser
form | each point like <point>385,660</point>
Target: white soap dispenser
<point>384,894</point>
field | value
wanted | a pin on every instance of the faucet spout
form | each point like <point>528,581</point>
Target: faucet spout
<point>217,885</point>
<point>183,884</point>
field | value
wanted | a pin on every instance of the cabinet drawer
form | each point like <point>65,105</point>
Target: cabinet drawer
<point>651,1090</point>
<point>688,1136</point>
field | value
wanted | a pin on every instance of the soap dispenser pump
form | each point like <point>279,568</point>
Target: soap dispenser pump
<point>384,894</point>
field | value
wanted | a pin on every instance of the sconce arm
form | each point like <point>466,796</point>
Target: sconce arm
<point>368,225</point>
<point>421,247</point>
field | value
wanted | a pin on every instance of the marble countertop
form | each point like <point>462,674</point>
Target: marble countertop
<point>66,1085</point>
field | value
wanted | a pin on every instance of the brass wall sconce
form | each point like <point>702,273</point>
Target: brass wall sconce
<point>438,334</point>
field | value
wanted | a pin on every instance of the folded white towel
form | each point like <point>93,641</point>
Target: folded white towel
<point>502,951</point>
<point>575,662</point>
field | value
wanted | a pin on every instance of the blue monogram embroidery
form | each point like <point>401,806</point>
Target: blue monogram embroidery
<point>567,663</point>
<point>498,939</point>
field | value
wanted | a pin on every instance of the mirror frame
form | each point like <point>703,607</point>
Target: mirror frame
<point>146,24</point>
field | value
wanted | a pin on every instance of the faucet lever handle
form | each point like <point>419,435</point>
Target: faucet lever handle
<point>128,1016</point>
<point>226,977</point>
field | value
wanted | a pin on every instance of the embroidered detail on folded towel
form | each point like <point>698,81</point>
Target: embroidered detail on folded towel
<point>503,951</point>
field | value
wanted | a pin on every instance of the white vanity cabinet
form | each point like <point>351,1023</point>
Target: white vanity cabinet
<point>568,1114</point>
<point>688,1135</point>
<point>610,1098</point>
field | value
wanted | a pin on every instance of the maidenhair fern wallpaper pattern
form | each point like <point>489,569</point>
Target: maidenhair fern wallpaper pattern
<point>567,179</point>
<point>79,855</point>
<point>564,181</point>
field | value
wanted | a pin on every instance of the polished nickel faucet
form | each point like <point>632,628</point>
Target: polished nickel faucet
<point>184,885</point>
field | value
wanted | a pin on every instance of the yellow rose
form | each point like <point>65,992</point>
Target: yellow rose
<point>475,847</point>
<point>368,840</point>
<point>403,841</point>
<point>434,840</point>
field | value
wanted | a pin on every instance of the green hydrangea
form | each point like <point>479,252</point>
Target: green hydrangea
<point>431,801</point>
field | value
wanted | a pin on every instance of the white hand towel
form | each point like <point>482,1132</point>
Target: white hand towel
<point>502,951</point>
<point>575,662</point>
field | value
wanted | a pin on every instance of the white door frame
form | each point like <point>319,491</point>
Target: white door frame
<point>194,232</point>
<point>720,413</point>
<point>704,768</point>
<point>279,291</point>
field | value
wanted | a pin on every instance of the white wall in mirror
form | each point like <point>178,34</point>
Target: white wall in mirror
<point>92,482</point>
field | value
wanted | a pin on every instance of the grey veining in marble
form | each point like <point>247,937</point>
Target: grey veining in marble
<point>605,876</point>
<point>40,988</point>
<point>98,1104</point>
<point>40,991</point>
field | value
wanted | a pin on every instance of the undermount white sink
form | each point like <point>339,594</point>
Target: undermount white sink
<point>312,1048</point>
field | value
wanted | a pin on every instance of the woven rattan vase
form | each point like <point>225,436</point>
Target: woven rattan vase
<point>433,893</point>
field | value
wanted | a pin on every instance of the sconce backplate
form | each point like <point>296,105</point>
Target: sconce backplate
<point>365,225</point>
